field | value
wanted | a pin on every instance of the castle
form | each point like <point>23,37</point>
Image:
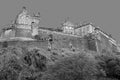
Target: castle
<point>26,28</point>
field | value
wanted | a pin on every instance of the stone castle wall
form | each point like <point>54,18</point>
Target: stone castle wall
<point>23,33</point>
<point>59,41</point>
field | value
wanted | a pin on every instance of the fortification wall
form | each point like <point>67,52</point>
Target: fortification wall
<point>23,32</point>
<point>29,44</point>
<point>59,41</point>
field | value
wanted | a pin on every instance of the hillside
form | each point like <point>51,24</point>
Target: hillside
<point>33,63</point>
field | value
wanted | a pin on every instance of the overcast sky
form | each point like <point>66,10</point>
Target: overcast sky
<point>103,13</point>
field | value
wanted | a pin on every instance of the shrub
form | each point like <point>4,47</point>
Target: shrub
<point>76,67</point>
<point>39,60</point>
<point>14,64</point>
<point>8,74</point>
<point>27,59</point>
<point>110,64</point>
<point>10,69</point>
<point>104,78</point>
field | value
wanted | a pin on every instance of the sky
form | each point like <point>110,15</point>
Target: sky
<point>102,13</point>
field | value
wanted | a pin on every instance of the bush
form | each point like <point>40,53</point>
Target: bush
<point>27,59</point>
<point>76,67</point>
<point>39,60</point>
<point>14,64</point>
<point>8,74</point>
<point>11,69</point>
<point>110,64</point>
<point>104,78</point>
<point>24,64</point>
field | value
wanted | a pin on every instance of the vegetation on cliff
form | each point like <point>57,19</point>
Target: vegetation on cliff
<point>21,63</point>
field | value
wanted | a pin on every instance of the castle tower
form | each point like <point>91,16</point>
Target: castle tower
<point>26,25</point>
<point>34,27</point>
<point>68,27</point>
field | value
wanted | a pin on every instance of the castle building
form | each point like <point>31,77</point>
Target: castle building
<point>68,27</point>
<point>25,27</point>
<point>102,41</point>
<point>82,30</point>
